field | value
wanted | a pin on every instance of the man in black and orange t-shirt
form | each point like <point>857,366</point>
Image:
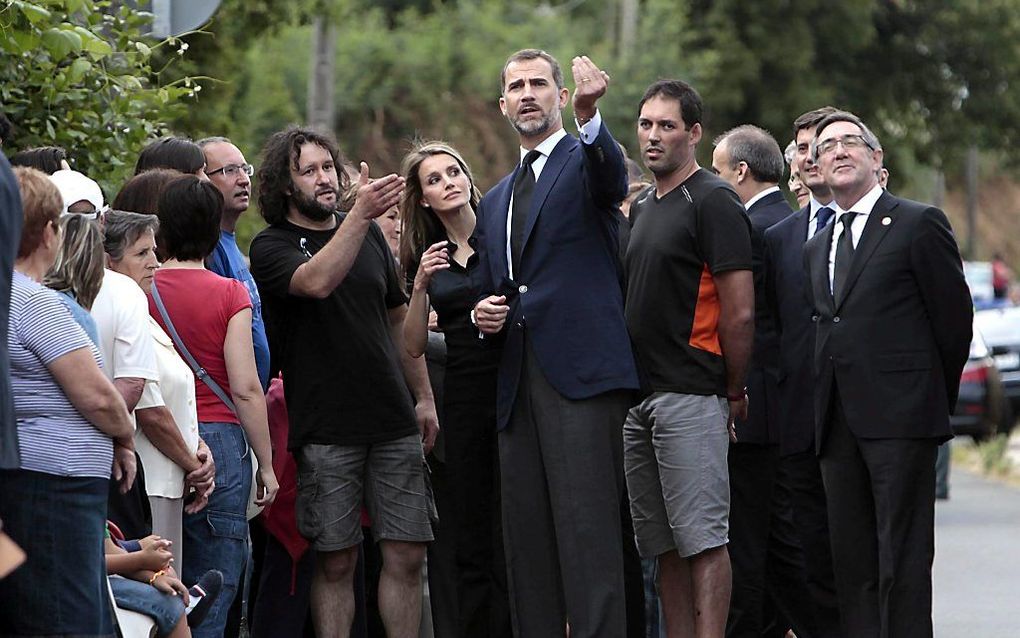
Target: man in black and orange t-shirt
<point>690,312</point>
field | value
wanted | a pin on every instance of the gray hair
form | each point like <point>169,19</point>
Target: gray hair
<point>123,229</point>
<point>845,116</point>
<point>790,153</point>
<point>216,139</point>
<point>757,148</point>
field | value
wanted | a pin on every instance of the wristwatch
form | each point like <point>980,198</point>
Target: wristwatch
<point>471,314</point>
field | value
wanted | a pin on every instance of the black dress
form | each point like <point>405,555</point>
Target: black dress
<point>469,429</point>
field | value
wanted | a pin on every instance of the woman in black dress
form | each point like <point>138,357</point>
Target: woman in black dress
<point>438,216</point>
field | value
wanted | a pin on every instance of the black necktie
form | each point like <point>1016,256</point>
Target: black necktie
<point>844,255</point>
<point>524,185</point>
<point>822,218</point>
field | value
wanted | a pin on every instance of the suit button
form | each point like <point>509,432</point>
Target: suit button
<point>814,318</point>
<point>520,324</point>
<point>522,289</point>
<point>835,320</point>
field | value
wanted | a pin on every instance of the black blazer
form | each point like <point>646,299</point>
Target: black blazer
<point>787,295</point>
<point>763,422</point>
<point>895,344</point>
<point>568,289</point>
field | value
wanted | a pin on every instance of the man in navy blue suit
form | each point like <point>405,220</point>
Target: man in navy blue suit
<point>546,237</point>
<point>787,295</point>
<point>768,564</point>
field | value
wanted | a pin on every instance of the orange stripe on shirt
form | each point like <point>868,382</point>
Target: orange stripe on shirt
<point>704,332</point>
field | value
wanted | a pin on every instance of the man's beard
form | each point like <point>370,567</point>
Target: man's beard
<point>532,128</point>
<point>312,208</point>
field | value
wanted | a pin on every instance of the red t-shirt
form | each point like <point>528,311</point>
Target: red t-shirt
<point>200,304</point>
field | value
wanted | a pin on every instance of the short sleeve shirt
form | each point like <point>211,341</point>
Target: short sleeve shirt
<point>200,304</point>
<point>227,261</point>
<point>343,381</point>
<point>677,244</point>
<point>53,437</point>
<point>120,311</point>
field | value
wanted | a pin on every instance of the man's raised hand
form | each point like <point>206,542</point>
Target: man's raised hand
<point>377,196</point>
<point>590,84</point>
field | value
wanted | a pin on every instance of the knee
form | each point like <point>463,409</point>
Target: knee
<point>403,557</point>
<point>338,566</point>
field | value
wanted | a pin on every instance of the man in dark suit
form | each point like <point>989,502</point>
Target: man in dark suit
<point>893,315</point>
<point>787,296</point>
<point>546,238</point>
<point>762,531</point>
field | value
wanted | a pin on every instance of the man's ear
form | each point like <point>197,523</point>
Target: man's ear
<point>502,105</point>
<point>696,133</point>
<point>564,97</point>
<point>743,172</point>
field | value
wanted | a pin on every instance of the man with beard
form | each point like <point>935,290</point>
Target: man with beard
<point>690,312</point>
<point>231,174</point>
<point>546,238</point>
<point>334,308</point>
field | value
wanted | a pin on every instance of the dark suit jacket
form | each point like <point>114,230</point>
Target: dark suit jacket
<point>568,289</point>
<point>11,219</point>
<point>787,295</point>
<point>897,341</point>
<point>762,424</point>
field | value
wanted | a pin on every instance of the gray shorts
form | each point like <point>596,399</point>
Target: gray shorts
<point>674,455</point>
<point>388,477</point>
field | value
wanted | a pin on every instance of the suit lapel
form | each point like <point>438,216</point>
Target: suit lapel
<point>874,232</point>
<point>818,257</point>
<point>550,173</point>
<point>497,227</point>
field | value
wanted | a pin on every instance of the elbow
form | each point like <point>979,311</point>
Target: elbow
<point>249,391</point>
<point>414,352</point>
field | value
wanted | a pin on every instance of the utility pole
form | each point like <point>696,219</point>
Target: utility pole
<point>321,109</point>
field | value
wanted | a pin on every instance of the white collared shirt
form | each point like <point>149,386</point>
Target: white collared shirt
<point>863,208</point>
<point>588,133</point>
<point>812,224</point>
<point>768,191</point>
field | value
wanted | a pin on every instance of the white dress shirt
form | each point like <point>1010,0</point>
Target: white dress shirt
<point>863,208</point>
<point>588,133</point>
<point>768,191</point>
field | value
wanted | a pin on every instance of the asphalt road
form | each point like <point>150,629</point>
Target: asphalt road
<point>977,560</point>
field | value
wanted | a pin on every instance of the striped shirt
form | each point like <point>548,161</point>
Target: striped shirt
<point>53,437</point>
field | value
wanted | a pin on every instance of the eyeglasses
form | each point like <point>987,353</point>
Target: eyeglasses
<point>231,170</point>
<point>849,142</point>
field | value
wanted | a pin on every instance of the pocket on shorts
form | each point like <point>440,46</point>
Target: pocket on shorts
<point>306,510</point>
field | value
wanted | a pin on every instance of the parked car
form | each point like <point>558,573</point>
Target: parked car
<point>1000,328</point>
<point>982,409</point>
<point>979,278</point>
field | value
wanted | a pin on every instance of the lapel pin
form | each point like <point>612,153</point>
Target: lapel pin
<point>886,221</point>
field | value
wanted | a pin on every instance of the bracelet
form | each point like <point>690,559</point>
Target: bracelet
<point>737,397</point>
<point>152,580</point>
<point>474,320</point>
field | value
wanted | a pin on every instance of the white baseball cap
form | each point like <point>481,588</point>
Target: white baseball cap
<point>75,187</point>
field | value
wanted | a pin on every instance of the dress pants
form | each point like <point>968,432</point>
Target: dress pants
<point>811,520</point>
<point>881,499</point>
<point>765,552</point>
<point>562,480</point>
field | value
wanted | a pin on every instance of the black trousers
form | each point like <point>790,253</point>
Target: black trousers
<point>561,470</point>
<point>765,551</point>
<point>801,475</point>
<point>881,500</point>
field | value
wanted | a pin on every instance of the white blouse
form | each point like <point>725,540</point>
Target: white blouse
<point>175,390</point>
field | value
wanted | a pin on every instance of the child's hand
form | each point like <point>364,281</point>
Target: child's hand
<point>171,585</point>
<point>155,553</point>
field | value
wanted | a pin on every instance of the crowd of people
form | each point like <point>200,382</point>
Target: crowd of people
<point>674,407</point>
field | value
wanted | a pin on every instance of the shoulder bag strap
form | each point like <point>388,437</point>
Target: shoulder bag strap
<point>199,371</point>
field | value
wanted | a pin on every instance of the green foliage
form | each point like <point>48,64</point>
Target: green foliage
<point>78,74</point>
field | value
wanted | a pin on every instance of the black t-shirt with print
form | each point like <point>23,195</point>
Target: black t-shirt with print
<point>342,376</point>
<point>677,243</point>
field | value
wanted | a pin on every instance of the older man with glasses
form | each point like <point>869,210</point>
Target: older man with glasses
<point>227,169</point>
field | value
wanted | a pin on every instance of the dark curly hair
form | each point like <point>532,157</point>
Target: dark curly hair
<point>282,153</point>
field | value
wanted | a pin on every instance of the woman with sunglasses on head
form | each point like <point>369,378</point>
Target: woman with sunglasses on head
<point>437,218</point>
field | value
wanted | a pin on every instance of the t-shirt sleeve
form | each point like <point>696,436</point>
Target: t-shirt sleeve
<point>724,232</point>
<point>235,298</point>
<point>133,354</point>
<point>394,290</point>
<point>48,330</point>
<point>151,397</point>
<point>274,259</point>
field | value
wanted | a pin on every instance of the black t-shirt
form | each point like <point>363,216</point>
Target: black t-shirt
<point>342,376</point>
<point>677,243</point>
